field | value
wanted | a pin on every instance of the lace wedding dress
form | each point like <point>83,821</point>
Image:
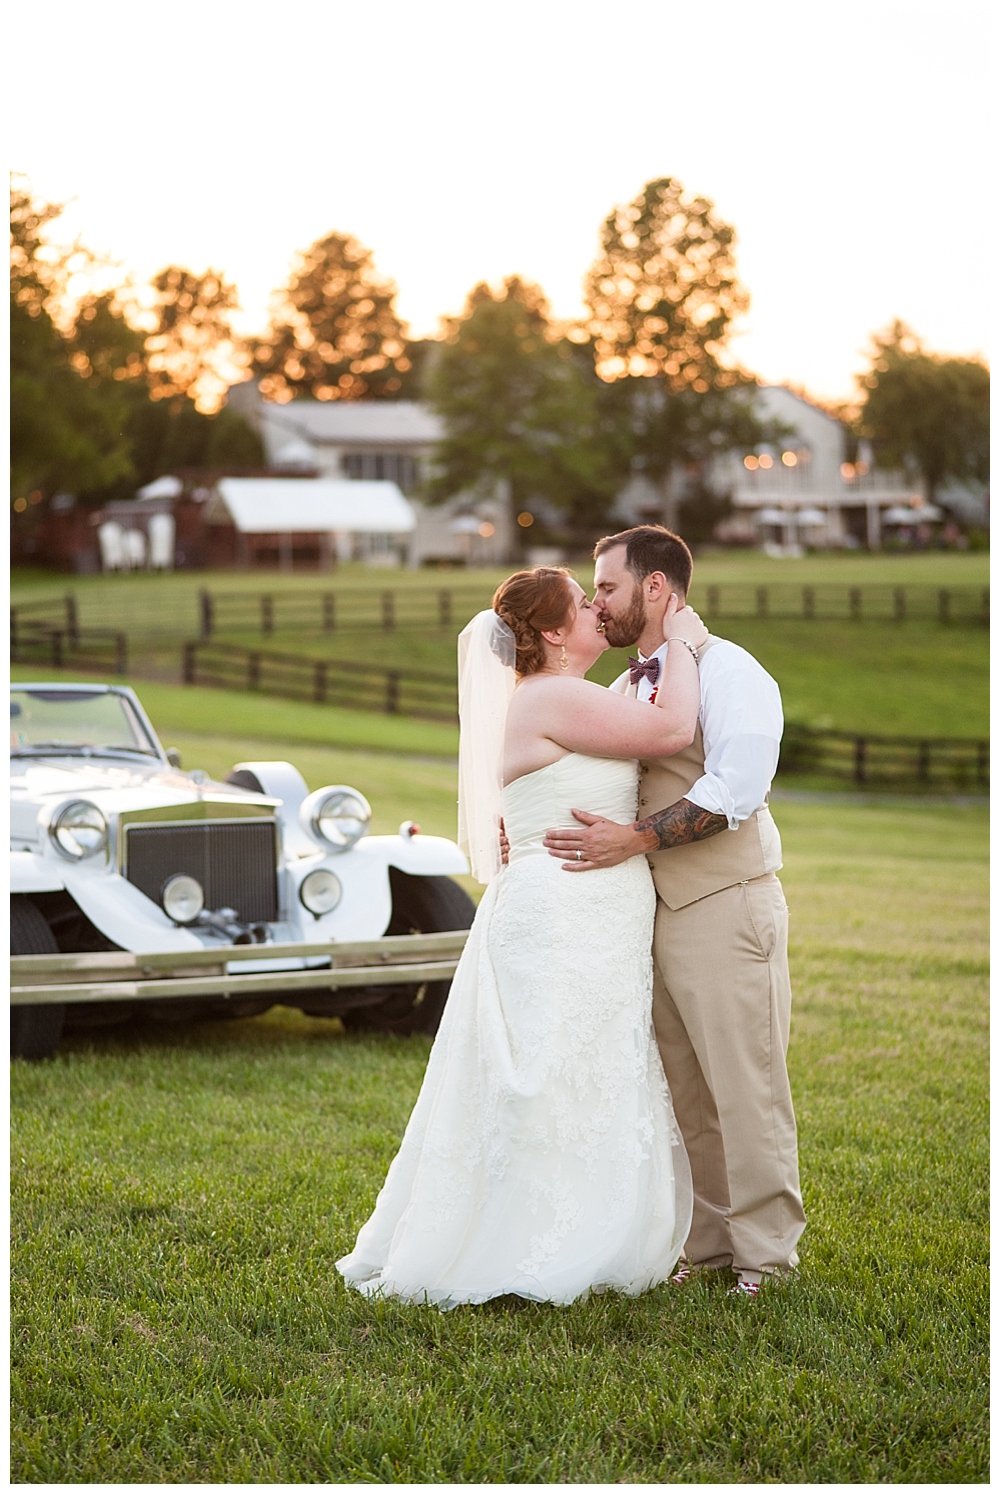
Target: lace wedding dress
<point>541,1157</point>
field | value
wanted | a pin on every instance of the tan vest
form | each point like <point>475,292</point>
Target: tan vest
<point>683,874</point>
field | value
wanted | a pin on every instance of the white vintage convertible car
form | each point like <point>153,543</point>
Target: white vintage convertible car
<point>137,886</point>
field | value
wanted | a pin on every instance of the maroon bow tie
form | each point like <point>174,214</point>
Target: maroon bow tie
<point>648,669</point>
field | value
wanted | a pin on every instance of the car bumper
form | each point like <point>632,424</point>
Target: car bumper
<point>230,972</point>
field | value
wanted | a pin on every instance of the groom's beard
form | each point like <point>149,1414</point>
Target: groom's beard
<point>626,629</point>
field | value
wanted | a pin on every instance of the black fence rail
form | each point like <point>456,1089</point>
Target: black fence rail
<point>829,602</point>
<point>332,611</point>
<point>99,649</point>
<point>448,607</point>
<point>44,613</point>
<point>947,763</point>
<point>363,687</point>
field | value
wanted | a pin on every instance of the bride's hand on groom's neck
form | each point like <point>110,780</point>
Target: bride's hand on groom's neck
<point>682,621</point>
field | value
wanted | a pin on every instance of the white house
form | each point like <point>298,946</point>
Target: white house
<point>381,441</point>
<point>800,489</point>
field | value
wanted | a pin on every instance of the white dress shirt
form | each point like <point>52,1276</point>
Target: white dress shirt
<point>741,725</point>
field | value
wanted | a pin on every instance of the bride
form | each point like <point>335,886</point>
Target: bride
<point>541,1157</point>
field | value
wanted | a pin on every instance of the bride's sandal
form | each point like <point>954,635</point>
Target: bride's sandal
<point>681,1276</point>
<point>745,1289</point>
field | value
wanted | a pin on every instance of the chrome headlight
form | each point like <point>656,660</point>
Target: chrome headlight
<point>183,898</point>
<point>336,817</point>
<point>320,892</point>
<point>79,830</point>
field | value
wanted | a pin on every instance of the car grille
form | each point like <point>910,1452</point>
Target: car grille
<point>235,863</point>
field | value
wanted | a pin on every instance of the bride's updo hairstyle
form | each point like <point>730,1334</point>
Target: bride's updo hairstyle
<point>530,602</point>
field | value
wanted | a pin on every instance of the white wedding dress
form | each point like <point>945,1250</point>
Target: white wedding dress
<point>541,1157</point>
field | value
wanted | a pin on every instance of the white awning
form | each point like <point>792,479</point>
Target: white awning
<point>288,505</point>
<point>162,487</point>
<point>774,516</point>
<point>925,514</point>
<point>810,516</point>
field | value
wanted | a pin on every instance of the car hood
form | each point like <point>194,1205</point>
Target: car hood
<point>38,784</point>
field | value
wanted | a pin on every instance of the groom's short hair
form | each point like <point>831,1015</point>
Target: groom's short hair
<point>649,548</point>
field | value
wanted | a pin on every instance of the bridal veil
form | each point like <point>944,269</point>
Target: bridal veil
<point>486,678</point>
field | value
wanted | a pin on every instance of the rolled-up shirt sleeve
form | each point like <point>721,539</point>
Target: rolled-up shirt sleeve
<point>741,726</point>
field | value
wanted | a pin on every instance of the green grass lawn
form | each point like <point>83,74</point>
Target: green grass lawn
<point>181,1196</point>
<point>144,602</point>
<point>917,678</point>
<point>178,711</point>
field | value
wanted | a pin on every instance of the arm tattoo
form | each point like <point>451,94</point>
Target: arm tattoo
<point>682,823</point>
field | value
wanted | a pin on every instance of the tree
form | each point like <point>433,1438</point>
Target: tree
<point>104,347</point>
<point>166,434</point>
<point>191,347</point>
<point>925,412</point>
<point>661,299</point>
<point>335,333</point>
<point>64,434</point>
<point>519,406</point>
<point>82,415</point>
<point>664,291</point>
<point>34,274</point>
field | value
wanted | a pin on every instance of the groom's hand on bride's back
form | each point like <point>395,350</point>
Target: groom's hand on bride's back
<point>592,843</point>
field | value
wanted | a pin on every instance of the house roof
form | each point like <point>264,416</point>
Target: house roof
<point>401,421</point>
<point>297,505</point>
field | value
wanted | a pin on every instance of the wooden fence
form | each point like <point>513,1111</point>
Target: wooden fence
<point>44,613</point>
<point>829,603</point>
<point>449,608</point>
<point>397,692</point>
<point>99,649</point>
<point>949,763</point>
<point>331,611</point>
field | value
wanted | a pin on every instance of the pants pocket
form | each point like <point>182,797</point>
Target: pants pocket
<point>761,902</point>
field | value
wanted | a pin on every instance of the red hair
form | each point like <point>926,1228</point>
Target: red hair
<point>529,603</point>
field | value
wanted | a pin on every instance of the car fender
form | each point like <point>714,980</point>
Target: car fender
<point>366,907</point>
<point>283,781</point>
<point>30,872</point>
<point>124,914</point>
<point>419,855</point>
<point>366,902</point>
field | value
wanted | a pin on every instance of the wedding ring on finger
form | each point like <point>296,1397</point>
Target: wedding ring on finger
<point>579,855</point>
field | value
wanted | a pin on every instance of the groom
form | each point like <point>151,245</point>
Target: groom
<point>721,993</point>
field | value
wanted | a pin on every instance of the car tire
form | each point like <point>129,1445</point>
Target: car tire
<point>420,905</point>
<point>34,1030</point>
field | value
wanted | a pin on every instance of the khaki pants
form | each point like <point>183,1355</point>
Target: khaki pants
<point>721,1008</point>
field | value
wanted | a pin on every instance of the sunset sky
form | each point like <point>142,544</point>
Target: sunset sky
<point>466,141</point>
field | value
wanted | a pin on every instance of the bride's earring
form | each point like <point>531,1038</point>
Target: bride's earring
<point>564,658</point>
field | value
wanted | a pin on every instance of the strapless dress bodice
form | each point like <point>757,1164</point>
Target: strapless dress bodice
<point>541,800</point>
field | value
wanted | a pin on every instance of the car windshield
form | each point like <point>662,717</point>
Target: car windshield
<point>84,721</point>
